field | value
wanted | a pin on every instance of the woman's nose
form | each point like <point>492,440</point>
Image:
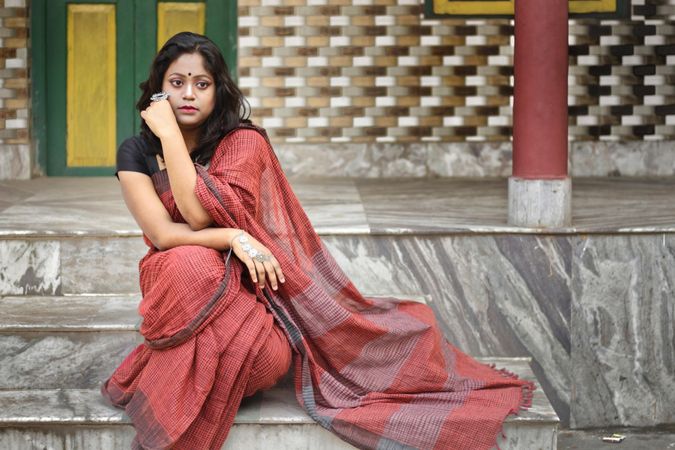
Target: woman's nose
<point>189,93</point>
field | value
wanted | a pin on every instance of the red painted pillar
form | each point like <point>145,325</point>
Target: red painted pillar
<point>540,90</point>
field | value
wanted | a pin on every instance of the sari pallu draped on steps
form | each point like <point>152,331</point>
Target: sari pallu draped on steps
<point>376,372</point>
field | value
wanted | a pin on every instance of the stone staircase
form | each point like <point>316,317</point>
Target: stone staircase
<point>56,351</point>
<point>70,318</point>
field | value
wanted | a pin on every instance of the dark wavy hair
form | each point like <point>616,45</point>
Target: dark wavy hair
<point>231,106</point>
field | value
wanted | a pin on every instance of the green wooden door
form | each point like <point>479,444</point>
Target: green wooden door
<point>89,58</point>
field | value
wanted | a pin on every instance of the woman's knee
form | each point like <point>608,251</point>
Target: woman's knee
<point>193,262</point>
<point>186,265</point>
<point>271,364</point>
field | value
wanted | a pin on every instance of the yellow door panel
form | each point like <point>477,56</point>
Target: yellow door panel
<point>91,86</point>
<point>174,17</point>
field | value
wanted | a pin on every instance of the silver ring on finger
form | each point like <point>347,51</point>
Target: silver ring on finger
<point>159,96</point>
<point>260,257</point>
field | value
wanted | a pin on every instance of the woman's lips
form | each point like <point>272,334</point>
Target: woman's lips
<point>188,109</point>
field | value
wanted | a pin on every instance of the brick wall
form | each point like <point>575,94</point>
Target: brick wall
<point>15,158</point>
<point>362,71</point>
<point>388,93</point>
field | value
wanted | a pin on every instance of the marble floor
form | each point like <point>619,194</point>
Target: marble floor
<point>94,206</point>
<point>572,299</point>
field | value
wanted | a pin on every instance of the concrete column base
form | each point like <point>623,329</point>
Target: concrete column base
<point>540,203</point>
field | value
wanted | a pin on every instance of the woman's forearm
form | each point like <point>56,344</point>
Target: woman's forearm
<point>181,234</point>
<point>183,178</point>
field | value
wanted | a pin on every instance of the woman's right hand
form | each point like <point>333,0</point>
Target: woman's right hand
<point>259,270</point>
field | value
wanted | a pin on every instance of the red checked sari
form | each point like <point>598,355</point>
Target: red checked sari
<point>376,372</point>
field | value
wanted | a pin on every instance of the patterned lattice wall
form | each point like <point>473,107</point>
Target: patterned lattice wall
<point>13,72</point>
<point>376,71</point>
<point>14,79</point>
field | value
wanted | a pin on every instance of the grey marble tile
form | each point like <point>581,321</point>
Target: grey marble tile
<point>242,436</point>
<point>101,265</point>
<point>93,206</point>
<point>274,406</point>
<point>69,405</point>
<point>332,205</point>
<point>396,160</point>
<point>45,189</point>
<point>290,436</point>
<point>494,296</point>
<point>65,342</point>
<point>630,158</point>
<point>69,206</point>
<point>67,438</point>
<point>11,195</point>
<point>69,218</point>
<point>446,205</point>
<point>80,419</point>
<point>623,331</point>
<point>42,360</point>
<point>30,267</point>
<point>58,406</point>
<point>640,205</point>
<point>469,159</point>
<point>15,162</point>
<point>354,160</point>
<point>517,438</point>
<point>71,313</point>
<point>461,159</point>
<point>433,205</point>
<point>280,404</point>
<point>333,160</point>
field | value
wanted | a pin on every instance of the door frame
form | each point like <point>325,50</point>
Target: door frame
<point>136,44</point>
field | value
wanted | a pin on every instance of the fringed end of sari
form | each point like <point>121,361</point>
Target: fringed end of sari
<point>527,388</point>
<point>526,394</point>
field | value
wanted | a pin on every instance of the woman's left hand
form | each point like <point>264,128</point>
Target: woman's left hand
<point>160,119</point>
<point>267,269</point>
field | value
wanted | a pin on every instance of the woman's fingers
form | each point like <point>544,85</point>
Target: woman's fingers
<point>251,269</point>
<point>277,269</point>
<point>260,269</point>
<point>270,273</point>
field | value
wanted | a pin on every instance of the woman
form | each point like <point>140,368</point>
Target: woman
<point>203,184</point>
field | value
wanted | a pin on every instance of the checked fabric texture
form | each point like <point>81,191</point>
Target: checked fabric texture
<point>376,372</point>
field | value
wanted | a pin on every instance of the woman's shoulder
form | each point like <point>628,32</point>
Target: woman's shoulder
<point>132,155</point>
<point>133,144</point>
<point>244,139</point>
<point>248,133</point>
<point>244,143</point>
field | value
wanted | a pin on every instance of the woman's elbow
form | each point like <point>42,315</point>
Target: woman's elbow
<point>161,240</point>
<point>199,223</point>
<point>159,243</point>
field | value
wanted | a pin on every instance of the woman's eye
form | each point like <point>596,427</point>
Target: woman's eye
<point>203,84</point>
<point>176,82</point>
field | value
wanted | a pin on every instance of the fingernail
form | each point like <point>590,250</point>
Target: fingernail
<point>283,280</point>
<point>274,287</point>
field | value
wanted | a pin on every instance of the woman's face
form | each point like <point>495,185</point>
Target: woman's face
<point>192,90</point>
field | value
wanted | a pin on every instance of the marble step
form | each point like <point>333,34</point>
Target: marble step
<point>71,235</point>
<point>65,342</point>
<point>79,419</point>
<point>69,342</point>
